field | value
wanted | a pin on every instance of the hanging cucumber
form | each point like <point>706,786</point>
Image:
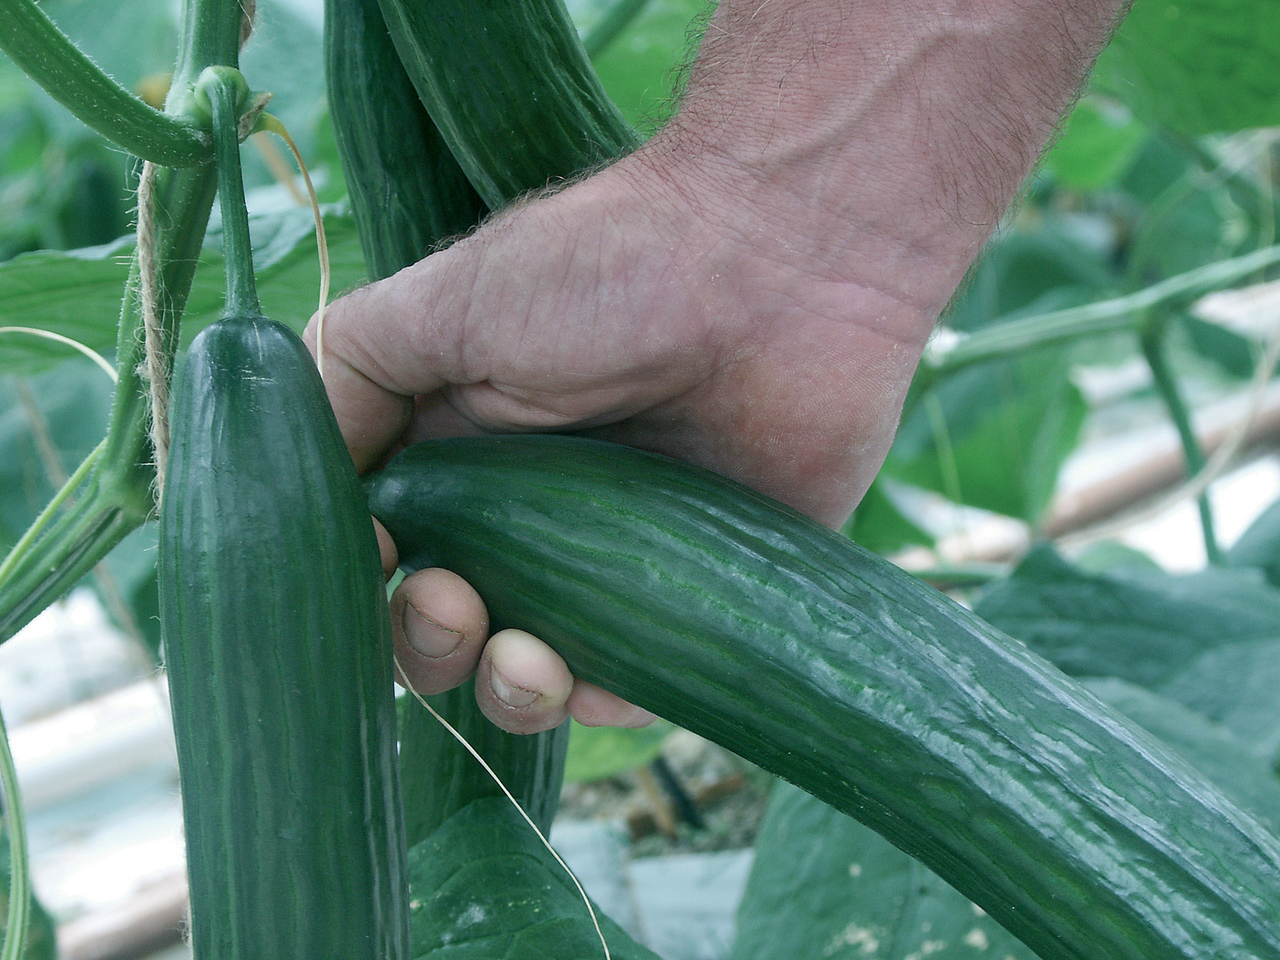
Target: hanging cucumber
<point>751,625</point>
<point>407,191</point>
<point>510,87</point>
<point>276,638</point>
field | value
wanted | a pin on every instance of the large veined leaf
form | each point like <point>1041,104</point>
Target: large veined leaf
<point>1139,625</point>
<point>994,436</point>
<point>1197,66</point>
<point>1236,685</point>
<point>78,293</point>
<point>483,886</point>
<point>823,885</point>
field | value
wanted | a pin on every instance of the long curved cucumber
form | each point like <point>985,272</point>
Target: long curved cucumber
<point>749,624</point>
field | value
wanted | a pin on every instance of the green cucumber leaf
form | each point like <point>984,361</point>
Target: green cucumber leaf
<point>75,293</point>
<point>1197,66</point>
<point>1098,144</point>
<point>78,293</point>
<point>599,752</point>
<point>994,436</point>
<point>1259,545</point>
<point>483,886</point>
<point>1139,625</point>
<point>1236,685</point>
<point>823,885</point>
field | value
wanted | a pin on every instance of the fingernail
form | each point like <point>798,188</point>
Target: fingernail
<point>426,636</point>
<point>511,695</point>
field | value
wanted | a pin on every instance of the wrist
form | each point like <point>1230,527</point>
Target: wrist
<point>871,144</point>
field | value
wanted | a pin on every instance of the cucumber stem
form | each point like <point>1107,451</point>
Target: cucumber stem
<point>1167,386</point>
<point>53,61</point>
<point>226,92</point>
<point>1013,337</point>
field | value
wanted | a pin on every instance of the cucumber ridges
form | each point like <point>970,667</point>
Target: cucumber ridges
<point>753,626</point>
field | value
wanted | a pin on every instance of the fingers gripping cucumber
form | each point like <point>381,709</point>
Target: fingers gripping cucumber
<point>749,624</point>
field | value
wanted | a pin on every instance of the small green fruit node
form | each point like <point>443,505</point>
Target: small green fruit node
<point>211,78</point>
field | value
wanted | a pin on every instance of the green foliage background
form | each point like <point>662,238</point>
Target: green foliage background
<point>1167,163</point>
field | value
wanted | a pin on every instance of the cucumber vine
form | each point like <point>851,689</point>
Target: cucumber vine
<point>46,54</point>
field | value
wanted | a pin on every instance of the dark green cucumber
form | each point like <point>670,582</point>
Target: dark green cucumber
<point>510,87</point>
<point>277,643</point>
<point>409,194</point>
<point>439,777</point>
<point>407,191</point>
<point>278,652</point>
<point>757,628</point>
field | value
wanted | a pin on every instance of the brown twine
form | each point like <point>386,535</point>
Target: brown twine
<point>155,366</point>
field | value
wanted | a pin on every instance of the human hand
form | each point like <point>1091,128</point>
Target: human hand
<point>750,296</point>
<point>617,306</point>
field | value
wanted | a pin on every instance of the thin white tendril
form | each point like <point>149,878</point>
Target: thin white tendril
<point>88,351</point>
<point>272,124</point>
<point>514,802</point>
<point>155,367</point>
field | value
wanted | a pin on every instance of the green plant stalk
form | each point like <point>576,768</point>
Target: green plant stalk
<point>225,99</point>
<point>15,937</point>
<point>1167,386</point>
<point>115,496</point>
<point>1013,337</point>
<point>50,58</point>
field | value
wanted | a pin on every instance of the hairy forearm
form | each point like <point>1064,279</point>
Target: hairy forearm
<point>891,133</point>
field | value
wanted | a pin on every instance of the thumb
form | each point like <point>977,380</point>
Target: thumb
<point>370,370</point>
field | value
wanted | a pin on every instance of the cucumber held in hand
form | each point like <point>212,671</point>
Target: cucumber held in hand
<point>511,90</point>
<point>277,644</point>
<point>747,623</point>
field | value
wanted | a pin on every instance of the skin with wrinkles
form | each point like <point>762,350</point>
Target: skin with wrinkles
<point>751,290</point>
